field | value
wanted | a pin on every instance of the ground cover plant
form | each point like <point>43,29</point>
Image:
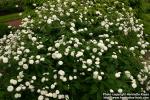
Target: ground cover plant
<point>74,50</point>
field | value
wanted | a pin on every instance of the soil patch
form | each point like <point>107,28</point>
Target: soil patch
<point>14,23</point>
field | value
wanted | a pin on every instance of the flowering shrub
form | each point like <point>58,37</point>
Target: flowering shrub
<point>74,50</point>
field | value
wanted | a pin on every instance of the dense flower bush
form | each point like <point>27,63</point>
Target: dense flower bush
<point>74,50</point>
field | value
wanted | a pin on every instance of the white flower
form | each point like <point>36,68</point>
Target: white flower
<point>99,77</point>
<point>120,28</point>
<point>94,50</point>
<point>75,77</point>
<point>75,45</point>
<point>24,59</point>
<point>57,45</point>
<point>117,75</point>
<point>54,95</point>
<point>72,24</point>
<point>90,34</point>
<point>38,57</point>
<point>14,82</point>
<point>41,97</point>
<point>103,23</point>
<point>37,61</point>
<point>61,72</point>
<point>142,52</point>
<point>42,59</point>
<point>101,45</point>
<point>98,13</point>
<point>73,3</point>
<point>40,46</point>
<point>134,85</point>
<point>19,52</point>
<point>27,83</point>
<point>57,92</point>
<point>31,61</point>
<point>79,53</point>
<point>52,86</point>
<point>34,39</point>
<point>64,79</point>
<point>84,66</point>
<point>70,78</point>
<point>120,90</point>
<point>34,77</point>
<point>128,74</point>
<point>72,53</point>
<point>71,10</point>
<point>49,48</point>
<point>61,97</point>
<point>5,60</point>
<point>25,66</point>
<point>26,50</point>
<point>114,56</point>
<point>56,55</point>
<point>60,63</point>
<point>10,88</point>
<point>89,69</point>
<point>95,73</point>
<point>132,48</point>
<point>16,58</point>
<point>17,95</point>
<point>102,73</point>
<point>1,75</point>
<point>49,21</point>
<point>55,76</point>
<point>20,63</point>
<point>18,89</point>
<point>111,90</point>
<point>89,61</point>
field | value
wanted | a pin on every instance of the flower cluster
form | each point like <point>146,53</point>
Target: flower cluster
<point>75,47</point>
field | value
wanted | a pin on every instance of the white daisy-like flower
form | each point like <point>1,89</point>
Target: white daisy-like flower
<point>38,56</point>
<point>26,50</point>
<point>61,72</point>
<point>25,66</point>
<point>54,95</point>
<point>1,75</point>
<point>99,78</point>
<point>114,56</point>
<point>18,88</point>
<point>31,61</point>
<point>120,90</point>
<point>41,97</point>
<point>56,55</point>
<point>34,39</point>
<point>117,75</point>
<point>111,90</point>
<point>79,54</point>
<point>89,62</point>
<point>52,86</point>
<point>17,95</point>
<point>49,21</point>
<point>13,82</point>
<point>34,77</point>
<point>134,85</point>
<point>142,52</point>
<point>5,60</point>
<point>60,63</point>
<point>10,88</point>
<point>70,78</point>
<point>57,45</point>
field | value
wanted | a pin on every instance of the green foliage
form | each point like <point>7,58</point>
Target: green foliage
<point>74,50</point>
<point>4,30</point>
